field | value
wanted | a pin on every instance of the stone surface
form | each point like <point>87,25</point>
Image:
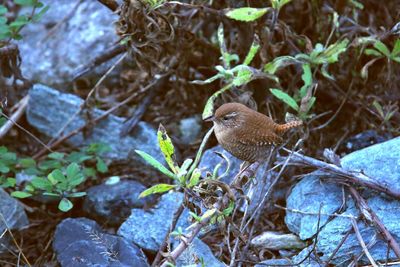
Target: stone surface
<point>196,253</point>
<point>48,110</point>
<point>363,139</point>
<point>274,263</point>
<point>147,229</point>
<point>276,241</point>
<point>381,162</point>
<point>189,129</point>
<point>52,58</point>
<point>113,203</point>
<point>13,214</point>
<point>81,242</point>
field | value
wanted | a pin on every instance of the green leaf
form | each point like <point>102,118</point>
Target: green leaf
<point>27,163</point>
<point>42,183</point>
<point>89,172</point>
<point>78,157</point>
<point>285,98</point>
<point>158,188</point>
<point>195,178</point>
<point>49,164</point>
<point>25,2</point>
<point>72,171</point>
<point>113,180</point>
<point>3,10</point>
<point>396,49</point>
<point>381,47</point>
<point>21,194</point>
<point>186,164</point>
<point>331,54</point>
<point>40,14</point>
<point>196,217</point>
<point>3,168</point>
<point>246,14</point>
<point>153,162</point>
<point>101,166</point>
<point>372,52</point>
<point>167,148</point>
<point>278,4</point>
<point>307,79</point>
<point>255,46</point>
<point>65,205</point>
<point>77,194</point>
<point>243,76</point>
<point>397,59</point>
<point>56,155</point>
<point>278,63</point>
<point>209,107</point>
<point>50,194</point>
<point>209,80</point>
<point>19,22</point>
<point>56,176</point>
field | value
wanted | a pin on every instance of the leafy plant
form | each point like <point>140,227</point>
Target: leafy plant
<point>10,29</point>
<point>245,14</point>
<point>57,176</point>
<point>187,175</point>
<point>379,51</point>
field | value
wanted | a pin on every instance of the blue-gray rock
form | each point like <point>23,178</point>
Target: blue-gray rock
<point>113,202</point>
<point>13,214</point>
<point>274,263</point>
<point>196,254</point>
<point>80,242</point>
<point>48,110</point>
<point>306,259</point>
<point>53,57</point>
<point>189,129</point>
<point>255,193</point>
<point>382,162</point>
<point>147,229</point>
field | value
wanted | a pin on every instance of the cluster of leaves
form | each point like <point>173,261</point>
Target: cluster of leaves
<point>11,29</point>
<point>186,176</point>
<point>57,176</point>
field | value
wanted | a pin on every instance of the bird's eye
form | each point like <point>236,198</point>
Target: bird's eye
<point>225,118</point>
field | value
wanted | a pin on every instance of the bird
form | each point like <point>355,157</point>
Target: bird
<point>247,134</point>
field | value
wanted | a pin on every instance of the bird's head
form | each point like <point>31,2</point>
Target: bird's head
<point>230,115</point>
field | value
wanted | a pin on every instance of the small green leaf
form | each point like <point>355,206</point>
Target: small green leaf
<point>113,180</point>
<point>278,63</point>
<point>50,194</point>
<point>307,79</point>
<point>56,176</point>
<point>167,148</point>
<point>255,46</point>
<point>27,163</point>
<point>42,183</point>
<point>65,205</point>
<point>21,194</point>
<point>246,14</point>
<point>209,107</point>
<point>158,188</point>
<point>3,10</point>
<point>89,172</point>
<point>77,194</point>
<point>101,166</point>
<point>396,49</point>
<point>278,4</point>
<point>72,171</point>
<point>40,14</point>
<point>209,80</point>
<point>243,76</point>
<point>372,52</point>
<point>186,164</point>
<point>196,217</point>
<point>25,2</point>
<point>153,162</point>
<point>381,47</point>
<point>194,180</point>
<point>285,98</point>
<point>56,155</point>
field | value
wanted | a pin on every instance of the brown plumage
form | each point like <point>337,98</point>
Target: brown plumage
<point>247,134</point>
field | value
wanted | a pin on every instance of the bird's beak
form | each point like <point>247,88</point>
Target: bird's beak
<point>208,119</point>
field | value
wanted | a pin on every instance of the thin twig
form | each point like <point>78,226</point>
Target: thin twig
<point>362,243</point>
<point>15,116</point>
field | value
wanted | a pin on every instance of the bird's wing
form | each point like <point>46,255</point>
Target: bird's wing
<point>263,132</point>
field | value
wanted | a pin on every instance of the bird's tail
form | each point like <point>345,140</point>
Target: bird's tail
<point>283,128</point>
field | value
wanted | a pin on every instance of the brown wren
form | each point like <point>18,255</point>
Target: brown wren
<point>247,134</point>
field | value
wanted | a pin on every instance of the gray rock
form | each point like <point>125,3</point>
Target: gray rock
<point>274,263</point>
<point>276,241</point>
<point>113,203</point>
<point>256,193</point>
<point>148,229</point>
<point>196,254</point>
<point>307,196</point>
<point>382,162</point>
<point>80,242</point>
<point>306,259</point>
<point>87,34</point>
<point>189,129</point>
<point>48,110</point>
<point>13,214</point>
